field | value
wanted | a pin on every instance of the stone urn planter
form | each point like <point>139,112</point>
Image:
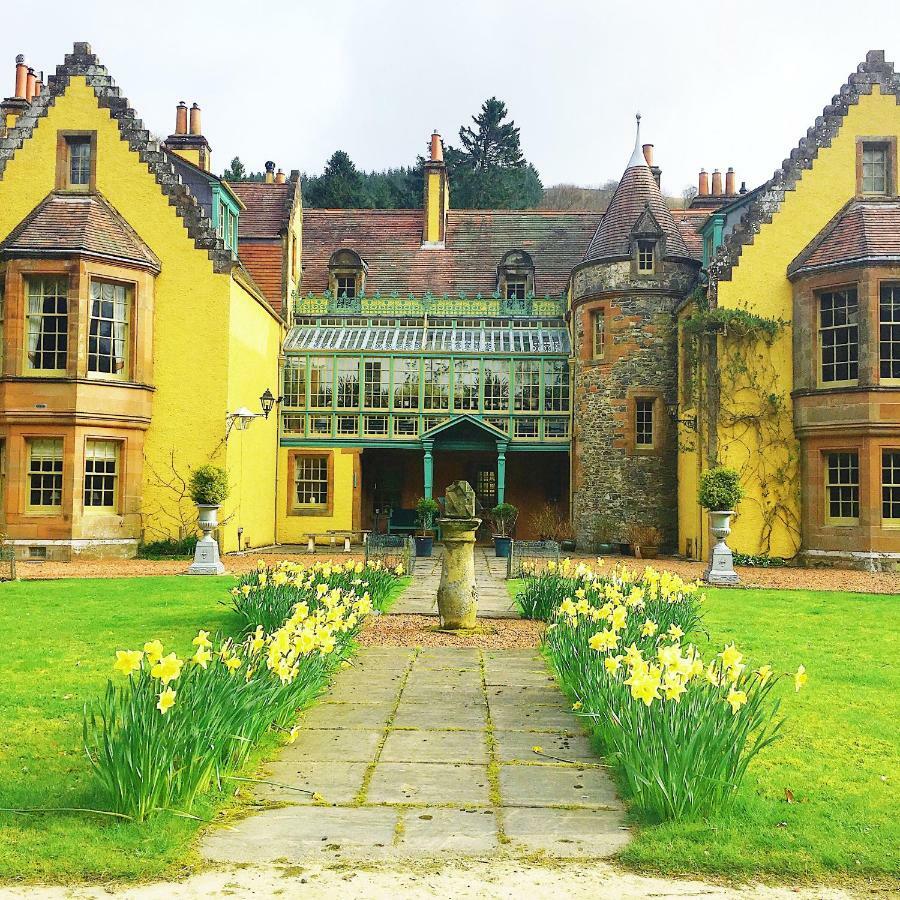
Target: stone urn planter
<point>719,493</point>
<point>721,563</point>
<point>206,553</point>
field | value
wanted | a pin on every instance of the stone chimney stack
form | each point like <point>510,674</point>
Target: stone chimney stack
<point>188,141</point>
<point>703,184</point>
<point>13,107</point>
<point>437,196</point>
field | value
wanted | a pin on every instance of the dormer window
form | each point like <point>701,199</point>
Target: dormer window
<point>346,274</point>
<point>515,276</point>
<point>646,257</point>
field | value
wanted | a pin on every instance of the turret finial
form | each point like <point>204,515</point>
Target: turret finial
<point>637,157</point>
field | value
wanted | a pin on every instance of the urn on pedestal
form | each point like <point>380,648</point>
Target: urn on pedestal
<point>208,488</point>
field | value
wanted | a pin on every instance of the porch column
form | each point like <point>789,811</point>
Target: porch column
<point>501,471</point>
<point>428,446</point>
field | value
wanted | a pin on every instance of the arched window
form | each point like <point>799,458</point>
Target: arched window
<point>515,276</point>
<point>346,274</point>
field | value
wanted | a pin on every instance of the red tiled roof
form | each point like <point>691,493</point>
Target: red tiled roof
<point>64,224</point>
<point>636,192</point>
<point>390,242</point>
<point>689,222</point>
<point>268,207</point>
<point>264,261</point>
<point>863,231</point>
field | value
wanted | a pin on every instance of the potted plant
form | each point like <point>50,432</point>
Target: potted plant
<point>504,516</point>
<point>644,541</point>
<point>719,493</point>
<point>427,511</point>
<point>565,534</point>
<point>208,488</point>
<point>606,534</point>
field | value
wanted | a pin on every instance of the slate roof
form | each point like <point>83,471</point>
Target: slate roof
<point>390,242</point>
<point>66,224</point>
<point>874,70</point>
<point>689,222</point>
<point>864,231</point>
<point>636,192</point>
<point>268,209</point>
<point>264,261</point>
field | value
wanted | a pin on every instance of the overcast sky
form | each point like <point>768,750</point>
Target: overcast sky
<point>718,83</point>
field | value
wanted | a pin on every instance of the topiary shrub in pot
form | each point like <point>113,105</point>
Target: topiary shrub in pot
<point>427,510</point>
<point>720,491</point>
<point>208,488</point>
<point>503,516</point>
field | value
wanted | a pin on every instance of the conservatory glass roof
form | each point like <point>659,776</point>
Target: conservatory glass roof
<point>432,339</point>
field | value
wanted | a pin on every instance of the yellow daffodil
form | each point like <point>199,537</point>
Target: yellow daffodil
<point>154,651</point>
<point>576,705</point>
<point>202,639</point>
<point>673,687</point>
<point>233,664</point>
<point>612,663</point>
<point>645,688</point>
<point>166,700</point>
<point>128,661</point>
<point>167,669</point>
<point>737,699</point>
<point>669,655</point>
<point>603,640</point>
<point>202,657</point>
<point>292,734</point>
<point>764,673</point>
<point>619,618</point>
<point>648,629</point>
<point>800,678</point>
<point>712,674</point>
<point>731,657</point>
<point>675,632</point>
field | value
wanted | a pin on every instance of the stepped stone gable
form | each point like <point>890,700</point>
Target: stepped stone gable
<point>81,61</point>
<point>875,70</point>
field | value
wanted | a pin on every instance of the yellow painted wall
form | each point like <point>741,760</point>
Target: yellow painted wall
<point>690,523</point>
<point>293,529</point>
<point>759,280</point>
<point>197,366</point>
<point>434,210</point>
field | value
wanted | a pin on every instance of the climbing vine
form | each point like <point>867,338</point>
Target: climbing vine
<point>740,353</point>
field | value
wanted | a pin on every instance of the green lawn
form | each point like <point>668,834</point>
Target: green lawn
<point>839,753</point>
<point>58,642</point>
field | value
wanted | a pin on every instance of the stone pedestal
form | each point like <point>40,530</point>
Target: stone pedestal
<point>457,596</point>
<point>721,563</point>
<point>206,553</point>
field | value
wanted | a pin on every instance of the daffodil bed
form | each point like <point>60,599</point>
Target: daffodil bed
<point>60,640</point>
<point>818,801</point>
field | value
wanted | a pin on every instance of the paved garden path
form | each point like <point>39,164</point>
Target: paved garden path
<point>494,601</point>
<point>426,752</point>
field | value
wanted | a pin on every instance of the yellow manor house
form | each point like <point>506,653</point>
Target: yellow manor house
<point>341,364</point>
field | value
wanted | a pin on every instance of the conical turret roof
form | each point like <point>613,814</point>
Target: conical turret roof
<point>636,193</point>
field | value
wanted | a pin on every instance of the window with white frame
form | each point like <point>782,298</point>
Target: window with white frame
<point>890,486</point>
<point>347,383</point>
<point>842,486</point>
<point>598,349</point>
<point>101,474</point>
<point>311,481</point>
<point>646,251</point>
<point>47,326</point>
<point>293,382</point>
<point>528,385</point>
<point>437,384</point>
<point>643,422</point>
<point>889,332</point>
<point>496,385</point>
<point>321,382</point>
<point>78,167</point>
<point>406,383</point>
<point>376,383</point>
<point>516,286</point>
<point>839,336</point>
<point>556,385</point>
<point>108,329</point>
<point>875,168</point>
<point>465,384</point>
<point>45,473</point>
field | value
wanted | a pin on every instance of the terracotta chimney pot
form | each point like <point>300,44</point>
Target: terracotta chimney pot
<point>29,85</point>
<point>437,147</point>
<point>21,77</point>
<point>729,182</point>
<point>38,84</point>
<point>280,177</point>
<point>717,183</point>
<point>648,154</point>
<point>195,120</point>
<point>703,184</point>
<point>181,118</point>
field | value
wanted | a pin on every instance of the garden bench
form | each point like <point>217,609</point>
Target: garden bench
<point>402,521</point>
<point>346,535</point>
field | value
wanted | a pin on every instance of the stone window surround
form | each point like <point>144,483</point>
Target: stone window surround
<point>867,280</point>
<point>62,162</point>
<point>587,310</point>
<point>827,518</point>
<point>516,264</point>
<point>891,144</point>
<point>80,274</point>
<point>660,410</point>
<point>293,509</point>
<point>346,263</point>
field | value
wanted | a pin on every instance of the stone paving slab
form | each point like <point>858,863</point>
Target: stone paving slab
<point>468,831</point>
<point>517,717</point>
<point>434,783</point>
<point>435,746</point>
<point>566,832</point>
<point>318,745</point>
<point>556,786</point>
<point>347,715</point>
<point>533,695</point>
<point>427,715</point>
<point>336,782</point>
<point>374,691</point>
<point>297,832</point>
<point>515,746</point>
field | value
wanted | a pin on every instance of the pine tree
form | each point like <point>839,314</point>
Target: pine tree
<point>340,186</point>
<point>493,143</point>
<point>236,171</point>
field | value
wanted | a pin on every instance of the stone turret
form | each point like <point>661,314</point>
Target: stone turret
<point>625,292</point>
